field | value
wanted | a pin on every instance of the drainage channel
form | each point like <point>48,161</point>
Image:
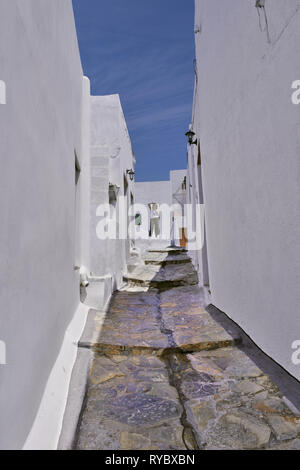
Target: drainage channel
<point>170,358</point>
<point>188,435</point>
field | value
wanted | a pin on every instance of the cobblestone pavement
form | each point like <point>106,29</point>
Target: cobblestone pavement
<point>166,376</point>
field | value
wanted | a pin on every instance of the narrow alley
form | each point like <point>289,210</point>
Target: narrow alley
<point>166,375</point>
<point>150,226</point>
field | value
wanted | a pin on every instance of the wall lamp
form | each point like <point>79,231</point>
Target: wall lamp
<point>190,135</point>
<point>131,174</point>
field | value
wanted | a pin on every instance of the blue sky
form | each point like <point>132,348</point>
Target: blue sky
<point>143,50</point>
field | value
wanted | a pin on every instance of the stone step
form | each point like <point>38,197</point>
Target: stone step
<point>191,326</point>
<point>132,325</point>
<point>160,277</point>
<point>166,376</point>
<point>148,323</point>
<point>164,259</point>
<point>171,250</point>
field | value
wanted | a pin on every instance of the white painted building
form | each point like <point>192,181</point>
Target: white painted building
<point>163,193</point>
<point>246,166</point>
<point>112,159</point>
<point>56,167</point>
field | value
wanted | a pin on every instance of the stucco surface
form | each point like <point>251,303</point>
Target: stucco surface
<point>249,133</point>
<point>153,191</point>
<point>111,157</point>
<point>163,193</point>
<point>40,132</point>
<point>176,180</point>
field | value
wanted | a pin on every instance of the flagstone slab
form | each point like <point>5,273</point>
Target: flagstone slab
<point>145,321</point>
<point>197,332</point>
<point>190,298</point>
<point>132,323</point>
<point>166,375</point>
<point>285,428</point>
<point>192,328</point>
<point>163,277</point>
<point>131,406</point>
<point>238,431</point>
<point>231,404</point>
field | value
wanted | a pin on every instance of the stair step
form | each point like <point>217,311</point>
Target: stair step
<point>114,334</point>
<point>171,250</point>
<point>161,284</point>
<point>160,277</point>
<point>164,259</point>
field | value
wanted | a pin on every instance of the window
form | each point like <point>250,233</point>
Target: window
<point>138,219</point>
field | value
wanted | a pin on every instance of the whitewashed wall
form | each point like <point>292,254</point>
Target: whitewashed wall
<point>145,193</point>
<point>161,192</point>
<point>249,131</point>
<point>153,191</point>
<point>178,197</point>
<point>40,131</point>
<point>194,194</point>
<point>176,180</point>
<point>111,157</point>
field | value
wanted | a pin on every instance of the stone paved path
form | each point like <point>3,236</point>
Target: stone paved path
<point>167,376</point>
